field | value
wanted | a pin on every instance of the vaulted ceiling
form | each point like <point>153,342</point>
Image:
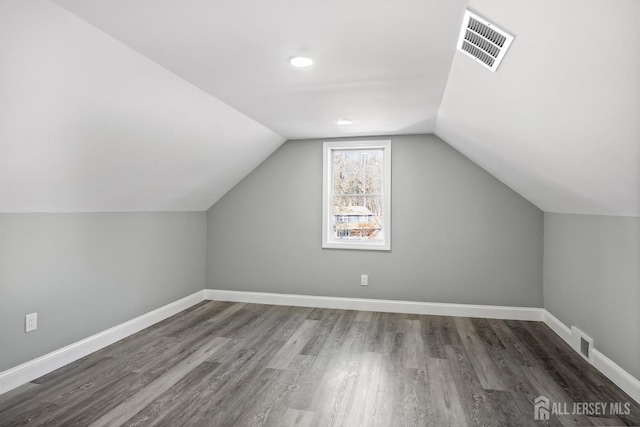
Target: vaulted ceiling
<point>559,121</point>
<point>120,105</point>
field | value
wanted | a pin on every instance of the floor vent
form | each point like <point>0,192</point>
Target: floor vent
<point>483,41</point>
<point>582,343</point>
<point>584,347</point>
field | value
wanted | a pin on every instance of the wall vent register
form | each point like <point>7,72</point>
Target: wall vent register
<point>483,41</point>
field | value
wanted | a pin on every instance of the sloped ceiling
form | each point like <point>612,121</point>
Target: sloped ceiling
<point>559,121</point>
<point>379,63</point>
<point>87,124</point>
<point>114,105</point>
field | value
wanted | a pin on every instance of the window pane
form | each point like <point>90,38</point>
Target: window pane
<point>358,171</point>
<point>357,218</point>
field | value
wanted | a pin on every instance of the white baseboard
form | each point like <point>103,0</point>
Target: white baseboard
<point>619,376</point>
<point>388,306</point>
<point>562,330</point>
<point>602,363</point>
<point>36,368</point>
<point>610,369</point>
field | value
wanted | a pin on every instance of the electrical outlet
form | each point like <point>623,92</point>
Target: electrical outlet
<point>31,323</point>
<point>364,280</point>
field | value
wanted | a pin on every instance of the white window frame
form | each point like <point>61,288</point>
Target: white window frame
<point>327,195</point>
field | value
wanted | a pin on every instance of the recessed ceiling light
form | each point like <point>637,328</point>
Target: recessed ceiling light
<point>301,61</point>
<point>344,122</point>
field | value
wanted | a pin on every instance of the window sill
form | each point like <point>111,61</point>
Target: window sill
<point>357,246</point>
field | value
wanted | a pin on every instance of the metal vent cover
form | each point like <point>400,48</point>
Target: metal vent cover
<point>483,41</point>
<point>582,344</point>
<point>584,347</point>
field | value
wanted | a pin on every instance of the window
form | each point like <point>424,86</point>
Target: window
<point>356,198</point>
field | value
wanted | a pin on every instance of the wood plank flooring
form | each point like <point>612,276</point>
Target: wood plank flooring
<point>234,364</point>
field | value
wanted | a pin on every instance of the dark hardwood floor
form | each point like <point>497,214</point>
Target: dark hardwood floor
<point>232,364</point>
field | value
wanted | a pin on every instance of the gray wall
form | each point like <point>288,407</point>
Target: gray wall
<point>592,281</point>
<point>84,273</point>
<point>458,234</point>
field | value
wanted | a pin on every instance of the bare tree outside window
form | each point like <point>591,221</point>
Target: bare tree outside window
<point>357,194</point>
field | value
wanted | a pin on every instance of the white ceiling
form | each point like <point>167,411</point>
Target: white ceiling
<point>378,62</point>
<point>559,121</point>
<point>115,105</point>
<point>87,124</point>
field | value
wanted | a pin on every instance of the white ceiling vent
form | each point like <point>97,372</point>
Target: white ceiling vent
<point>483,41</point>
